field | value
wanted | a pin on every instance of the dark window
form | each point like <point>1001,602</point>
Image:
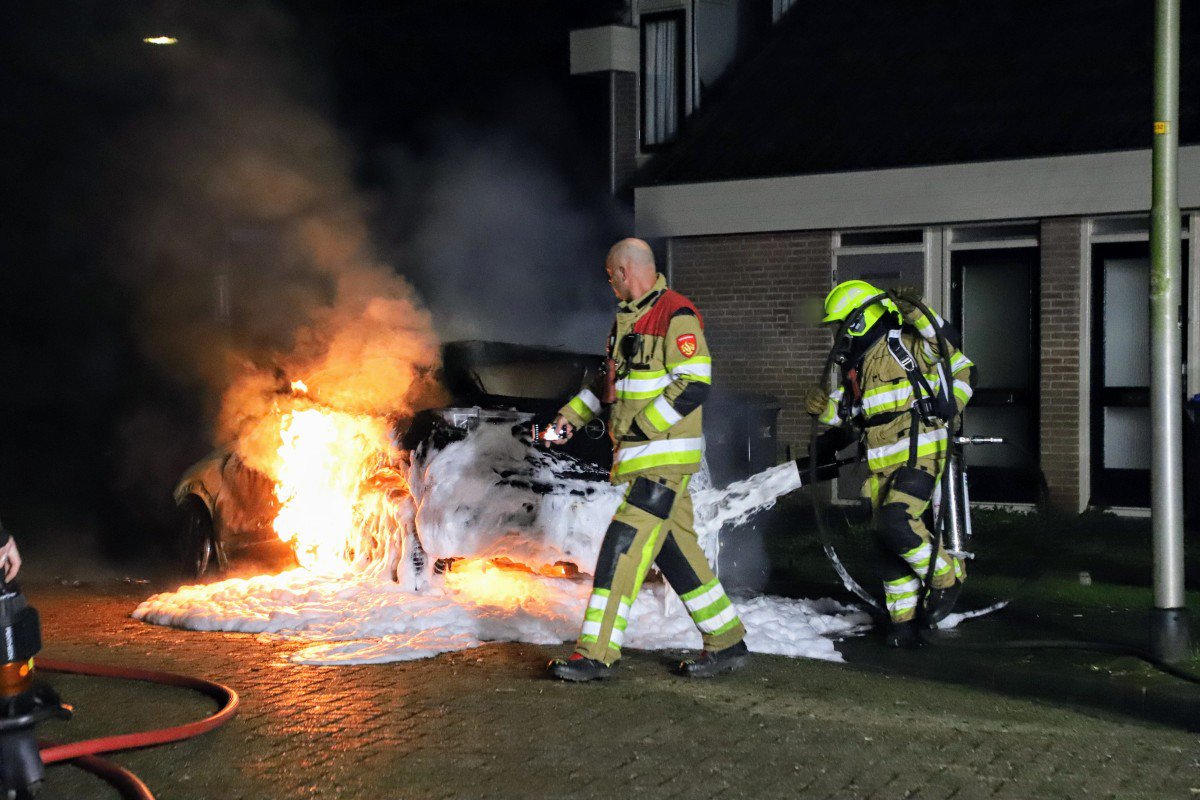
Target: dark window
<point>881,238</point>
<point>662,78</point>
<point>779,8</point>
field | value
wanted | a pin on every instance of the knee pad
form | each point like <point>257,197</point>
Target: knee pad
<point>913,482</point>
<point>652,497</point>
<point>617,541</point>
<point>895,531</point>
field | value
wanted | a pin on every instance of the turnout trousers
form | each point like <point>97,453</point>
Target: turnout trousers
<point>900,496</point>
<point>654,525</point>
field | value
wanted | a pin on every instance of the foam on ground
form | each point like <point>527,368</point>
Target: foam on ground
<point>535,514</point>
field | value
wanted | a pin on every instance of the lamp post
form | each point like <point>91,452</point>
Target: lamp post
<point>1169,635</point>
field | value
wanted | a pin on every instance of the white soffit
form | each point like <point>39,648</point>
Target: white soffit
<point>610,48</point>
<point>1100,183</point>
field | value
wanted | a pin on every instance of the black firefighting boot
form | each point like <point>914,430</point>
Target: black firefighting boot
<point>902,634</point>
<point>939,603</point>
<point>709,664</point>
<point>579,668</point>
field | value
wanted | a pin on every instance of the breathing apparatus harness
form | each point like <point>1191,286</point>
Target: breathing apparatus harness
<point>933,407</point>
<point>938,407</point>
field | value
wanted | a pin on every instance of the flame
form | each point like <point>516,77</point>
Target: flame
<point>300,387</point>
<point>487,583</point>
<point>327,484</point>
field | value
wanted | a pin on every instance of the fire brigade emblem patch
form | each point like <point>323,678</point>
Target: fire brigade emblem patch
<point>686,343</point>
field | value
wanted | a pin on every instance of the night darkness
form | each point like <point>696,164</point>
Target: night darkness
<point>451,133</point>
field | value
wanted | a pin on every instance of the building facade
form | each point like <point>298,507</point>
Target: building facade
<point>978,160</point>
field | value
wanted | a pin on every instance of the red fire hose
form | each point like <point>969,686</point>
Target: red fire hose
<point>83,754</point>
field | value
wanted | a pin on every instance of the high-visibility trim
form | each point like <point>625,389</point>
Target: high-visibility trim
<point>591,627</point>
<point>830,415</point>
<point>713,609</point>
<point>586,405</point>
<point>719,623</point>
<point>702,601</point>
<point>905,584</point>
<point>642,388</point>
<point>697,368</point>
<point>918,560</point>
<point>928,444</point>
<point>589,638</point>
<point>662,414</point>
<point>644,562</point>
<point>632,457</point>
<point>890,400</point>
<point>699,591</point>
<point>927,331</point>
<point>958,362</point>
<point>901,594</point>
<point>963,391</point>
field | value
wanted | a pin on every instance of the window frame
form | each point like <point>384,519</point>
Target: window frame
<point>679,17</point>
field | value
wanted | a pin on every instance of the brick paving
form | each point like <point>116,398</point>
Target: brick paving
<point>482,723</point>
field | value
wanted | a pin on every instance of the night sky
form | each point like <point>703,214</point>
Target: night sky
<point>474,159</point>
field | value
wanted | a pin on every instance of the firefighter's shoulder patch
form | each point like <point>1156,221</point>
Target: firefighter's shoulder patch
<point>686,342</point>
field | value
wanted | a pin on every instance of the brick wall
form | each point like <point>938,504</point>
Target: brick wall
<point>749,287</point>
<point>624,131</point>
<point>1063,398</point>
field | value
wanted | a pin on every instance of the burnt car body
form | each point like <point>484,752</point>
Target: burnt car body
<point>227,509</point>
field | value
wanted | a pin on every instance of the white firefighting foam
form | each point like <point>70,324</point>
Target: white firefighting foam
<point>487,496</point>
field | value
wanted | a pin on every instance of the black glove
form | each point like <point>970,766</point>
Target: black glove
<point>906,298</point>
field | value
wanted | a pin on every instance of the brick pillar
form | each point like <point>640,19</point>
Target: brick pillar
<point>1064,349</point>
<point>749,288</point>
<point>623,146</point>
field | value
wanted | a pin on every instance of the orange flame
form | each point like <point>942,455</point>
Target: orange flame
<point>487,583</point>
<point>324,485</point>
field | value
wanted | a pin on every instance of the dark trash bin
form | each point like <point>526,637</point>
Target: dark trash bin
<point>740,433</point>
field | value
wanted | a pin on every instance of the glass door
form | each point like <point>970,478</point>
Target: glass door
<point>1121,373</point>
<point>996,306</point>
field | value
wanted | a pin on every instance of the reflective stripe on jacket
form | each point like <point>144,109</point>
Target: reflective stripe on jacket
<point>887,396</point>
<point>661,378</point>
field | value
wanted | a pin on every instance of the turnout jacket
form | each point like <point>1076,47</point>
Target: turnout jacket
<point>659,373</point>
<point>878,395</point>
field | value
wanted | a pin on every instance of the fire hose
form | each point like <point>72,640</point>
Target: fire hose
<point>874,606</point>
<point>24,703</point>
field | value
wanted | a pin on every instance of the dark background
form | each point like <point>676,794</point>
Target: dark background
<point>475,158</point>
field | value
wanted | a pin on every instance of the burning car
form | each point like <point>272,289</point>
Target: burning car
<point>230,509</point>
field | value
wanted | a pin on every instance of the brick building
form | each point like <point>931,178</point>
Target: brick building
<point>996,154</point>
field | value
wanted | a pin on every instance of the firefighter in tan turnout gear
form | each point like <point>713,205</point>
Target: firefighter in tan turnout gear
<point>659,374</point>
<point>892,383</point>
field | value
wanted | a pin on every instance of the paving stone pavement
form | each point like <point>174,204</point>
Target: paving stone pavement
<point>483,723</point>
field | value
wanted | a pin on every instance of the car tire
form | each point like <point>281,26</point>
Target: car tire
<point>199,550</point>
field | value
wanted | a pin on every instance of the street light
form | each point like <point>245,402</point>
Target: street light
<point>160,40</point>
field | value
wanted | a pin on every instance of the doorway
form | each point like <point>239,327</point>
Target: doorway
<point>996,302</point>
<point>1121,423</point>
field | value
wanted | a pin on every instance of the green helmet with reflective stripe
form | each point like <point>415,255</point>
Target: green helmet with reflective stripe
<point>849,295</point>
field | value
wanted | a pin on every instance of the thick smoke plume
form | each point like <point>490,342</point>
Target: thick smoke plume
<point>249,247</point>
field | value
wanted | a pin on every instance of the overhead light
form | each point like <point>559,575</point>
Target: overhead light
<point>160,40</point>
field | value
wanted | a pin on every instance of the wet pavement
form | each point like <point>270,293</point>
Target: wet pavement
<point>483,723</point>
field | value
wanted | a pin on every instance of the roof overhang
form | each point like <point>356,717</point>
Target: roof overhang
<point>1080,185</point>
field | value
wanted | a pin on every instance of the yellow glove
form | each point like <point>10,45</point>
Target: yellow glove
<point>815,400</point>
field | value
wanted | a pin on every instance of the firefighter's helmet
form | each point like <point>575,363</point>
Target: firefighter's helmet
<point>850,295</point>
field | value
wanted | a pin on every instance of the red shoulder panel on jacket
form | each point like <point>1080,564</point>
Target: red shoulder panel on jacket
<point>656,321</point>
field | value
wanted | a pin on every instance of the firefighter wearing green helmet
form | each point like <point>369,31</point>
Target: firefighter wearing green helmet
<point>893,393</point>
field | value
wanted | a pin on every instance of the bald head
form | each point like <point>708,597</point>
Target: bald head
<point>631,270</point>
